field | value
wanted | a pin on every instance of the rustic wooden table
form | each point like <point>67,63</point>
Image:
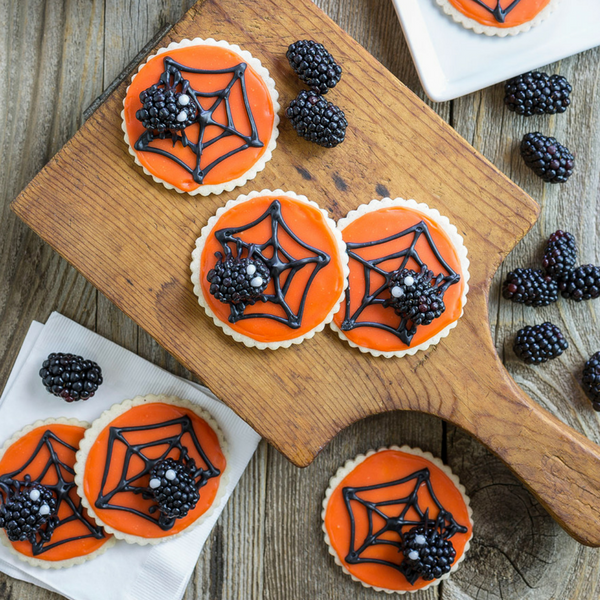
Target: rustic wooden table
<point>57,56</point>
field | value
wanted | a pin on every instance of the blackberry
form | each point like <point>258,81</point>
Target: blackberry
<point>591,380</point>
<point>537,93</point>
<point>539,343</point>
<point>173,487</point>
<point>530,287</point>
<point>25,512</point>
<point>547,158</point>
<point>561,253</point>
<point>165,110</point>
<point>427,554</point>
<point>314,65</point>
<point>582,283</point>
<point>416,296</point>
<point>238,280</point>
<point>317,120</point>
<point>70,377</point>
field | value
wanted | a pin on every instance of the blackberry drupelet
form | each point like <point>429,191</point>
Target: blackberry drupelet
<point>537,93</point>
<point>582,283</point>
<point>317,120</point>
<point>539,343</point>
<point>547,158</point>
<point>561,253</point>
<point>590,380</point>
<point>70,377</point>
<point>235,280</point>
<point>173,487</point>
<point>166,110</point>
<point>530,287</point>
<point>416,296</point>
<point>314,65</point>
<point>427,554</point>
<point>25,512</point>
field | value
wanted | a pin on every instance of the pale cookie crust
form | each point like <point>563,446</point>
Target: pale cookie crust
<point>197,255</point>
<point>38,562</point>
<point>104,420</point>
<point>457,242</point>
<point>477,27</point>
<point>228,186</point>
<point>349,466</point>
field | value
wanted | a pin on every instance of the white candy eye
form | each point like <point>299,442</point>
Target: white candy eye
<point>413,555</point>
<point>250,269</point>
<point>397,291</point>
<point>408,281</point>
<point>184,100</point>
<point>182,116</point>
<point>44,509</point>
<point>170,474</point>
<point>256,282</point>
<point>420,539</point>
<point>34,495</point>
<point>154,483</point>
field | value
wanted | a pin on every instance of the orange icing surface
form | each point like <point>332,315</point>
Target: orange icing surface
<point>308,223</point>
<point>147,414</point>
<point>14,458</point>
<point>381,224</point>
<point>384,467</point>
<point>525,11</point>
<point>261,105</point>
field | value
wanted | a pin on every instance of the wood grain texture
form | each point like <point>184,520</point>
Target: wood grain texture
<point>551,565</point>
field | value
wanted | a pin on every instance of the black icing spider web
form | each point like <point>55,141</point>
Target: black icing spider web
<point>399,524</point>
<point>171,78</point>
<point>64,475</point>
<point>137,483</point>
<point>498,12</point>
<point>280,263</point>
<point>405,331</point>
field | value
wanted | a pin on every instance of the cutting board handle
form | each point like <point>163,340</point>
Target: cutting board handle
<point>559,465</point>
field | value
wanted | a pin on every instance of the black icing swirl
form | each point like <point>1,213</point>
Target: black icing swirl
<point>498,12</point>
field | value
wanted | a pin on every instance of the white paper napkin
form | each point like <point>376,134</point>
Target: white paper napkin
<point>124,572</point>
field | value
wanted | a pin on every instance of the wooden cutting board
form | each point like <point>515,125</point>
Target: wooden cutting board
<point>133,238</point>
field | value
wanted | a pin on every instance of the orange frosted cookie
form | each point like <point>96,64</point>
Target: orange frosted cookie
<point>498,17</point>
<point>270,269</point>
<point>397,519</point>
<point>408,278</point>
<point>201,116</point>
<point>37,478</point>
<point>151,468</point>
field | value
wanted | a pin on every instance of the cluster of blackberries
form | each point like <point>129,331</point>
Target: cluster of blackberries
<point>166,110</point>
<point>416,296</point>
<point>174,488</point>
<point>70,377</point>
<point>314,118</point>
<point>536,93</point>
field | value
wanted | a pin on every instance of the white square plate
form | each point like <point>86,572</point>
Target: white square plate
<point>453,61</point>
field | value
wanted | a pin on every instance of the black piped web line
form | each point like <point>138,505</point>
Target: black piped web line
<point>444,521</point>
<point>280,263</point>
<point>498,12</point>
<point>171,78</point>
<point>60,489</point>
<point>128,484</point>
<point>405,330</point>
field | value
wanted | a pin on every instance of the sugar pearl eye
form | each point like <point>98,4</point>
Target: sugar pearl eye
<point>420,539</point>
<point>44,509</point>
<point>170,474</point>
<point>408,281</point>
<point>413,555</point>
<point>184,100</point>
<point>397,291</point>
<point>34,495</point>
<point>256,282</point>
<point>250,269</point>
<point>154,483</point>
<point>182,116</point>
